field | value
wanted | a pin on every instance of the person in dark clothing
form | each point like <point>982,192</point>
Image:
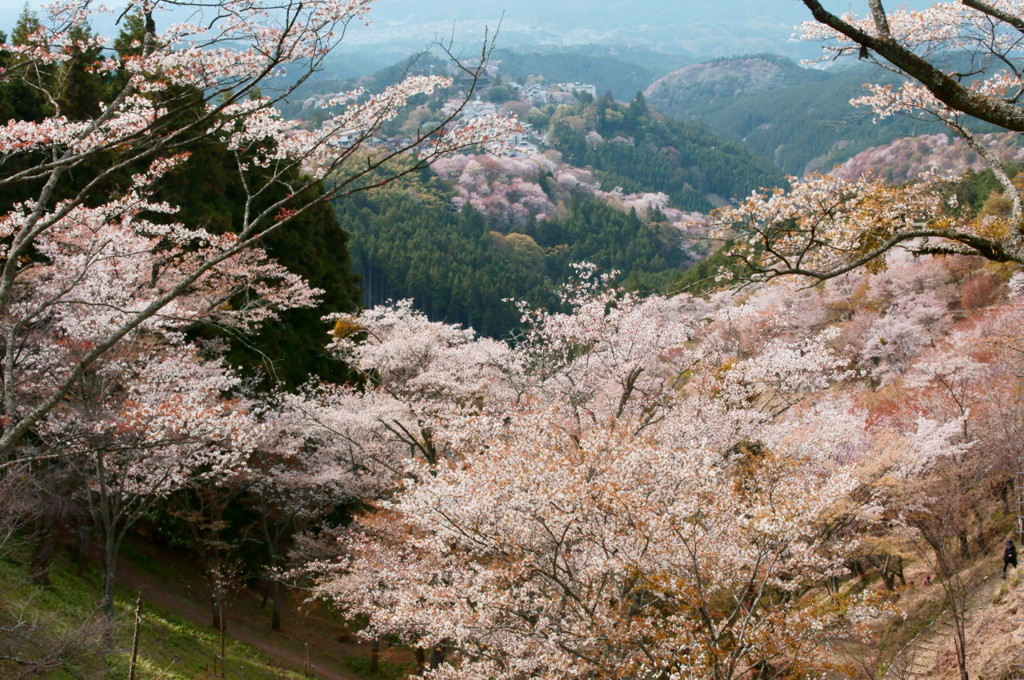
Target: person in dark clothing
<point>1009,556</point>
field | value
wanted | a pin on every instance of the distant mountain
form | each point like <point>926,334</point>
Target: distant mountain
<point>728,78</point>
<point>657,61</point>
<point>799,118</point>
<point>622,71</point>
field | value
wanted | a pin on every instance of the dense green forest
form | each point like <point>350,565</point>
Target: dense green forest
<point>642,151</point>
<point>409,243</point>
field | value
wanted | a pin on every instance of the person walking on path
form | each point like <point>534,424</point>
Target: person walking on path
<point>1009,556</point>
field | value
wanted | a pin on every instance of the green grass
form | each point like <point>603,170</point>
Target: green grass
<point>386,670</point>
<point>169,648</point>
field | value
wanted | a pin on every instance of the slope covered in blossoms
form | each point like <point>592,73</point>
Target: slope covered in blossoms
<point>908,158</point>
<point>691,458</point>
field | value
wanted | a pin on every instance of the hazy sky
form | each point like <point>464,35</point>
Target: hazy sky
<point>696,26</point>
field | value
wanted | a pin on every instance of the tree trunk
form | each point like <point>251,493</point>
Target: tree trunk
<point>109,580</point>
<point>942,562</point>
<point>109,574</point>
<point>375,655</point>
<point>961,649</point>
<point>273,538</point>
<point>979,537</point>
<point>275,616</point>
<point>421,661</point>
<point>42,552</point>
<point>81,547</point>
<point>216,610</point>
<point>135,637</point>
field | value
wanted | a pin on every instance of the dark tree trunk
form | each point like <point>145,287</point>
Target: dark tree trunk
<point>421,660</point>
<point>81,548</point>
<point>979,537</point>
<point>109,577</point>
<point>275,615</point>
<point>375,655</point>
<point>1004,494</point>
<point>42,552</point>
<point>216,610</point>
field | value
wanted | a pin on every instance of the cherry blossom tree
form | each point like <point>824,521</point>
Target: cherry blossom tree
<point>961,61</point>
<point>104,226</point>
<point>614,555</point>
<point>426,376</point>
<point>632,506</point>
<point>327,445</point>
<point>598,493</point>
<point>825,226</point>
<point>140,426</point>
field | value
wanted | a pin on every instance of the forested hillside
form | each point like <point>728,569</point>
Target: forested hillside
<point>635,148</point>
<point>909,158</point>
<point>619,186</point>
<point>488,229</point>
<point>798,118</point>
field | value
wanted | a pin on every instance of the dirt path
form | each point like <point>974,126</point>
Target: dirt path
<point>329,643</point>
<point>932,654</point>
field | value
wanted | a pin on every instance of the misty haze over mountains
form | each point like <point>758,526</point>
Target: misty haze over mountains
<point>694,28</point>
<point>697,29</point>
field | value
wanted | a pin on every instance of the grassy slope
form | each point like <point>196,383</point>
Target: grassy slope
<point>171,648</point>
<point>176,642</point>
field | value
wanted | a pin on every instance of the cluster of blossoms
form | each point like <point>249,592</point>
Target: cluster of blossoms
<point>510,191</point>
<point>693,468</point>
<point>660,480</point>
<point>826,224</point>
